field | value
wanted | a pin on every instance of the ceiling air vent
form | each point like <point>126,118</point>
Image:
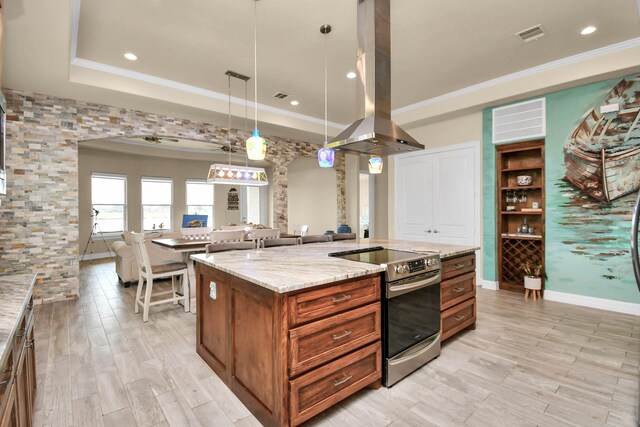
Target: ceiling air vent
<point>517,122</point>
<point>280,95</point>
<point>532,33</point>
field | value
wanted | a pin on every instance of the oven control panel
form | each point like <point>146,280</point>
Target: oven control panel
<point>409,268</point>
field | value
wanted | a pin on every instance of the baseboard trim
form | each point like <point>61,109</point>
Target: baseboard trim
<point>490,284</point>
<point>100,255</point>
<point>593,302</point>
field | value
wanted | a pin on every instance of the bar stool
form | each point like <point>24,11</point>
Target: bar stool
<point>227,236</point>
<point>147,273</point>
<point>262,234</point>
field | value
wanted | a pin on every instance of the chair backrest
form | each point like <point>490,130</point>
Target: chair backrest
<point>245,227</point>
<point>343,236</point>
<point>227,236</point>
<point>140,252</point>
<point>279,241</point>
<point>315,238</point>
<point>300,230</point>
<point>264,233</point>
<point>228,246</point>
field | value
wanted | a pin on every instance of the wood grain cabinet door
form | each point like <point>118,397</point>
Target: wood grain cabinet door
<point>9,417</point>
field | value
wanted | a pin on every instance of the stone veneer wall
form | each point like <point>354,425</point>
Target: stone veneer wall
<point>39,214</point>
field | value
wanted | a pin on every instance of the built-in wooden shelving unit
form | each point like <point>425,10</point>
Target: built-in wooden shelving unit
<point>514,247</point>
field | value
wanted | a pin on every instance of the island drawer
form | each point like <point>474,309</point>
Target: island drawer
<point>456,290</point>
<point>321,388</point>
<point>324,340</point>
<point>453,267</point>
<point>316,304</point>
<point>457,318</point>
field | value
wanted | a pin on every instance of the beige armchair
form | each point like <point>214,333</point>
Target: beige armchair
<point>126,265</point>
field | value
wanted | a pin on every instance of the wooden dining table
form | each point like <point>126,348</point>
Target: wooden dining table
<point>186,247</point>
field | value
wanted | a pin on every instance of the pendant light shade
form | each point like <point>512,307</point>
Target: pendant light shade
<point>256,145</point>
<point>375,165</point>
<point>326,156</point>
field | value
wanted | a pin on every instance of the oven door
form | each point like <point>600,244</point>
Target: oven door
<point>411,312</point>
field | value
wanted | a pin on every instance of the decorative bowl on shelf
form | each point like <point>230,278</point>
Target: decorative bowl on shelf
<point>524,179</point>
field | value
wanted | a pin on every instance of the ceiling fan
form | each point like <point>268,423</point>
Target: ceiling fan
<point>158,139</point>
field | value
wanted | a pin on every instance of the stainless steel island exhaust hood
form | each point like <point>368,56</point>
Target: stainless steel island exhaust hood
<point>375,133</point>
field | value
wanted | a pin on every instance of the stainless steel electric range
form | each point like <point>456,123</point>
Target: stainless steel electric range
<point>410,308</point>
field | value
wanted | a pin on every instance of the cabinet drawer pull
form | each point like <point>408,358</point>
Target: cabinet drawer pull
<point>460,318</point>
<point>342,381</point>
<point>342,298</point>
<point>457,266</point>
<point>458,289</point>
<point>342,335</point>
<point>28,343</point>
<point>20,333</point>
<point>9,373</point>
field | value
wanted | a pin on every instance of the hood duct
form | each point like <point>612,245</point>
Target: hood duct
<point>375,133</point>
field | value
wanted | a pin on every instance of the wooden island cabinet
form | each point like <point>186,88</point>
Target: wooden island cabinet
<point>18,366</point>
<point>457,295</point>
<point>289,356</point>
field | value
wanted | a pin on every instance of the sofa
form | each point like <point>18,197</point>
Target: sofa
<point>126,265</point>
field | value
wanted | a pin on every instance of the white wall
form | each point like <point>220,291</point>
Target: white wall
<point>312,197</point>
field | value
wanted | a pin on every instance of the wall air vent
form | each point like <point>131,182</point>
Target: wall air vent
<point>280,95</point>
<point>532,33</point>
<point>517,122</point>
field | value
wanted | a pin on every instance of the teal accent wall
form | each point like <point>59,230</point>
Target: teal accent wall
<point>587,242</point>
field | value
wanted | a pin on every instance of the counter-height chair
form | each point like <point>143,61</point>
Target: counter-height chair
<point>300,230</point>
<point>280,241</point>
<point>229,246</point>
<point>343,236</point>
<point>147,273</point>
<point>227,236</point>
<point>315,239</point>
<point>262,234</point>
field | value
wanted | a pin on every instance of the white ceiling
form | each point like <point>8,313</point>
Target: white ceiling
<point>437,47</point>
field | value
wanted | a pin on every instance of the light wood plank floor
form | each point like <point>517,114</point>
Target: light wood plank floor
<point>526,364</point>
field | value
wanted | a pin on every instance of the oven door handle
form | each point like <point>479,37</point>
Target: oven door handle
<point>397,290</point>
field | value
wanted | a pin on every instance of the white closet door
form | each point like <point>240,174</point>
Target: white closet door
<point>414,192</point>
<point>453,196</point>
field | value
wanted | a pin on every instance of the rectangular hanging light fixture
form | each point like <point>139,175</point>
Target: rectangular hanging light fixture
<point>237,175</point>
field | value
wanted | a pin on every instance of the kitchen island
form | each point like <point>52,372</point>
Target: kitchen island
<point>292,331</point>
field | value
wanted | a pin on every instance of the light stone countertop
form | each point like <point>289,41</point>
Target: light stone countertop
<point>15,291</point>
<point>289,268</point>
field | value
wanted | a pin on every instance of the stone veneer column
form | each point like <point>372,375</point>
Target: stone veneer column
<point>39,214</point>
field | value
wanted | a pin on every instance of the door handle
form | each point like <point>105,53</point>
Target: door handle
<point>427,231</point>
<point>435,231</point>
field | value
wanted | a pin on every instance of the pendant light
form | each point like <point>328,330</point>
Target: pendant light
<point>232,174</point>
<point>256,145</point>
<point>375,165</point>
<point>326,156</point>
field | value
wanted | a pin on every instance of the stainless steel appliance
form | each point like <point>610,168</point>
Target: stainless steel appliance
<point>635,258</point>
<point>410,308</point>
<point>374,132</point>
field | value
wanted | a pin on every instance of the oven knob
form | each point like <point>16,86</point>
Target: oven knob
<point>398,269</point>
<point>405,268</point>
<point>429,262</point>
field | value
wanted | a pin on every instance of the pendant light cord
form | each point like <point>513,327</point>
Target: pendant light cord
<point>229,129</point>
<point>325,89</point>
<point>255,58</point>
<point>246,115</point>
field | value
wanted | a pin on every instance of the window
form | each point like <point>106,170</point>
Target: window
<point>200,199</point>
<point>109,202</point>
<point>156,203</point>
<point>253,205</point>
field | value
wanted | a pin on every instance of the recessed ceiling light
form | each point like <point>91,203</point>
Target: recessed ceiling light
<point>588,30</point>
<point>131,56</point>
<point>351,75</point>
<point>294,102</point>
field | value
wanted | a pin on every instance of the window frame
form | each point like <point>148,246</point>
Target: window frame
<point>142,205</point>
<point>125,215</point>
<point>188,181</point>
